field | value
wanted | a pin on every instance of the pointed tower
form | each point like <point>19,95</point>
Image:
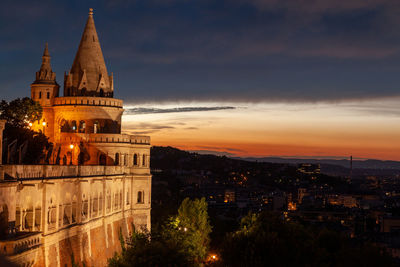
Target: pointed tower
<point>45,87</point>
<point>88,75</point>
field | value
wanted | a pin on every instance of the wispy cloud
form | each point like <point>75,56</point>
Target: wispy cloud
<point>173,110</point>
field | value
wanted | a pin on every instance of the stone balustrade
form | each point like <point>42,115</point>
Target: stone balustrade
<point>60,171</point>
<point>20,243</point>
<point>104,138</point>
<point>88,101</point>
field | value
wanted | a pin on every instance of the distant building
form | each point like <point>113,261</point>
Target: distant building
<point>229,195</point>
<point>96,184</point>
<point>308,168</point>
<point>347,201</point>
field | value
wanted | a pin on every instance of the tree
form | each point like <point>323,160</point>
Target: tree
<point>20,112</point>
<point>182,241</point>
<point>190,229</point>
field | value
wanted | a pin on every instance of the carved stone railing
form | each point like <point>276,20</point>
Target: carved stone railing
<point>104,138</point>
<point>20,243</point>
<point>35,172</point>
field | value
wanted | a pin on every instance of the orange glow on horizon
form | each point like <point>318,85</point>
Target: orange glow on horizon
<point>308,130</point>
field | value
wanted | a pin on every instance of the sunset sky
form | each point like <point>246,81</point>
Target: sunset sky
<point>300,78</point>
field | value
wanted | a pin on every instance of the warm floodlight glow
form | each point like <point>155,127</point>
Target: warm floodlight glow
<point>30,124</point>
<point>71,146</point>
<point>44,123</point>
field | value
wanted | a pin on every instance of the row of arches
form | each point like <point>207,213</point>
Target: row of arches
<point>90,126</point>
<point>91,206</point>
<point>122,159</point>
<point>72,91</point>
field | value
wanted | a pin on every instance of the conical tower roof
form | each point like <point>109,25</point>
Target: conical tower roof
<point>88,75</point>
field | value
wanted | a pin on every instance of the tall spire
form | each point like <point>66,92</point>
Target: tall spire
<point>45,74</point>
<point>88,75</point>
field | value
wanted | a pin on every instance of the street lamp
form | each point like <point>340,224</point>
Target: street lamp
<point>71,146</point>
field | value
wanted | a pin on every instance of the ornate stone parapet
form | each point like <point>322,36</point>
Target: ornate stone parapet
<point>20,243</point>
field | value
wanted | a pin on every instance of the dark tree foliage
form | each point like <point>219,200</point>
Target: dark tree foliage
<point>37,143</point>
<point>267,240</point>
<point>145,250</point>
<point>18,114</point>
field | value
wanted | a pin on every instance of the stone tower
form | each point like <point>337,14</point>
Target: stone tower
<point>43,90</point>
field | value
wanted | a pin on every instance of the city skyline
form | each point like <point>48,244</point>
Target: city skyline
<point>315,81</point>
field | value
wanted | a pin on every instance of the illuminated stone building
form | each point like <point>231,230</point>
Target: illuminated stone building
<point>95,184</point>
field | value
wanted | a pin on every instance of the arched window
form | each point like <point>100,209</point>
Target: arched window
<point>127,197</point>
<point>95,127</point>
<point>102,159</point>
<point>64,126</point>
<point>82,126</point>
<point>125,159</point>
<point>135,159</point>
<point>74,209</point>
<point>48,95</point>
<point>85,207</point>
<point>116,162</point>
<point>144,160</point>
<point>140,197</point>
<point>100,203</point>
<point>40,94</point>
<point>108,201</point>
<point>73,126</point>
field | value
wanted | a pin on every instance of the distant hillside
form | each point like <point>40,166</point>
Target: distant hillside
<point>357,164</point>
<point>172,158</point>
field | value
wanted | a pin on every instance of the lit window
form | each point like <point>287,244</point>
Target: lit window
<point>140,197</point>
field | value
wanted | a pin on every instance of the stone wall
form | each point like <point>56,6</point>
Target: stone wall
<point>81,218</point>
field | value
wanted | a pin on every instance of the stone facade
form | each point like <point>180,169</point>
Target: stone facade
<point>96,185</point>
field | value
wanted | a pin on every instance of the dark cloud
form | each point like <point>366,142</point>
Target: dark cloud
<point>218,50</point>
<point>172,110</point>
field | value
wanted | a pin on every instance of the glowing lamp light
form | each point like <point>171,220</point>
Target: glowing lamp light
<point>71,146</point>
<point>30,124</point>
<point>185,229</point>
<point>44,123</point>
<point>214,257</point>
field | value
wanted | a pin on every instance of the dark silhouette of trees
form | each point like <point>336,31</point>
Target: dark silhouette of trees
<point>267,240</point>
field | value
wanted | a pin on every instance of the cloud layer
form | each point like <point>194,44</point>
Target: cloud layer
<point>223,50</point>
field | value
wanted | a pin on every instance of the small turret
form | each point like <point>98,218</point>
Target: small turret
<point>45,87</point>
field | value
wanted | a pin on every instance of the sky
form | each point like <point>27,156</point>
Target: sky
<point>311,78</point>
